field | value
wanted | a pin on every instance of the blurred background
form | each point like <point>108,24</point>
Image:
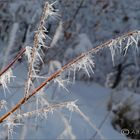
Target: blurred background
<point>110,97</point>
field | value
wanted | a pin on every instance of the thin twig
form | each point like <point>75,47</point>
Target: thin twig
<point>75,14</point>
<point>20,53</point>
<point>52,107</point>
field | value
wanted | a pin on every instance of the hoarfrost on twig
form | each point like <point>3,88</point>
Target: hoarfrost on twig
<point>45,110</point>
<point>86,63</point>
<point>122,44</point>
<point>10,124</point>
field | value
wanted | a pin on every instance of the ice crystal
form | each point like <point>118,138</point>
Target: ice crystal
<point>86,63</point>
<point>122,44</point>
<point>3,104</point>
<point>61,82</point>
<point>28,53</point>
<point>5,78</point>
<point>10,124</point>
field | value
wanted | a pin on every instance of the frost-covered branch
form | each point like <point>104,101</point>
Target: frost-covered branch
<point>6,78</point>
<point>45,110</point>
<point>14,120</point>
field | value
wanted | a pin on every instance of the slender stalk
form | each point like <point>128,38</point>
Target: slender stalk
<point>52,107</point>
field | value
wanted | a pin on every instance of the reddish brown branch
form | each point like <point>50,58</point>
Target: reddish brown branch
<point>20,53</point>
<point>57,73</point>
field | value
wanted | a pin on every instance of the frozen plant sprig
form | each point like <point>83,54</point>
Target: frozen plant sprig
<point>10,124</point>
<point>48,11</point>
<point>44,111</point>
<point>86,64</point>
<point>122,44</point>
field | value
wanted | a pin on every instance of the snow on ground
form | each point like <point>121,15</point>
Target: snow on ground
<point>92,101</point>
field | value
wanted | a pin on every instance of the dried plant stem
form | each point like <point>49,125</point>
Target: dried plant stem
<point>106,44</point>
<point>57,73</point>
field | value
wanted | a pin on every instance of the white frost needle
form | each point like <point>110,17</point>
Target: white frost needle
<point>5,78</point>
<point>85,64</point>
<point>119,43</point>
<point>37,56</point>
<point>129,42</point>
<point>52,11</point>
<point>41,36</point>
<point>3,104</point>
<point>61,82</point>
<point>28,53</point>
<point>135,42</point>
<point>72,105</point>
<point>45,110</point>
<point>10,124</point>
<point>133,39</point>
